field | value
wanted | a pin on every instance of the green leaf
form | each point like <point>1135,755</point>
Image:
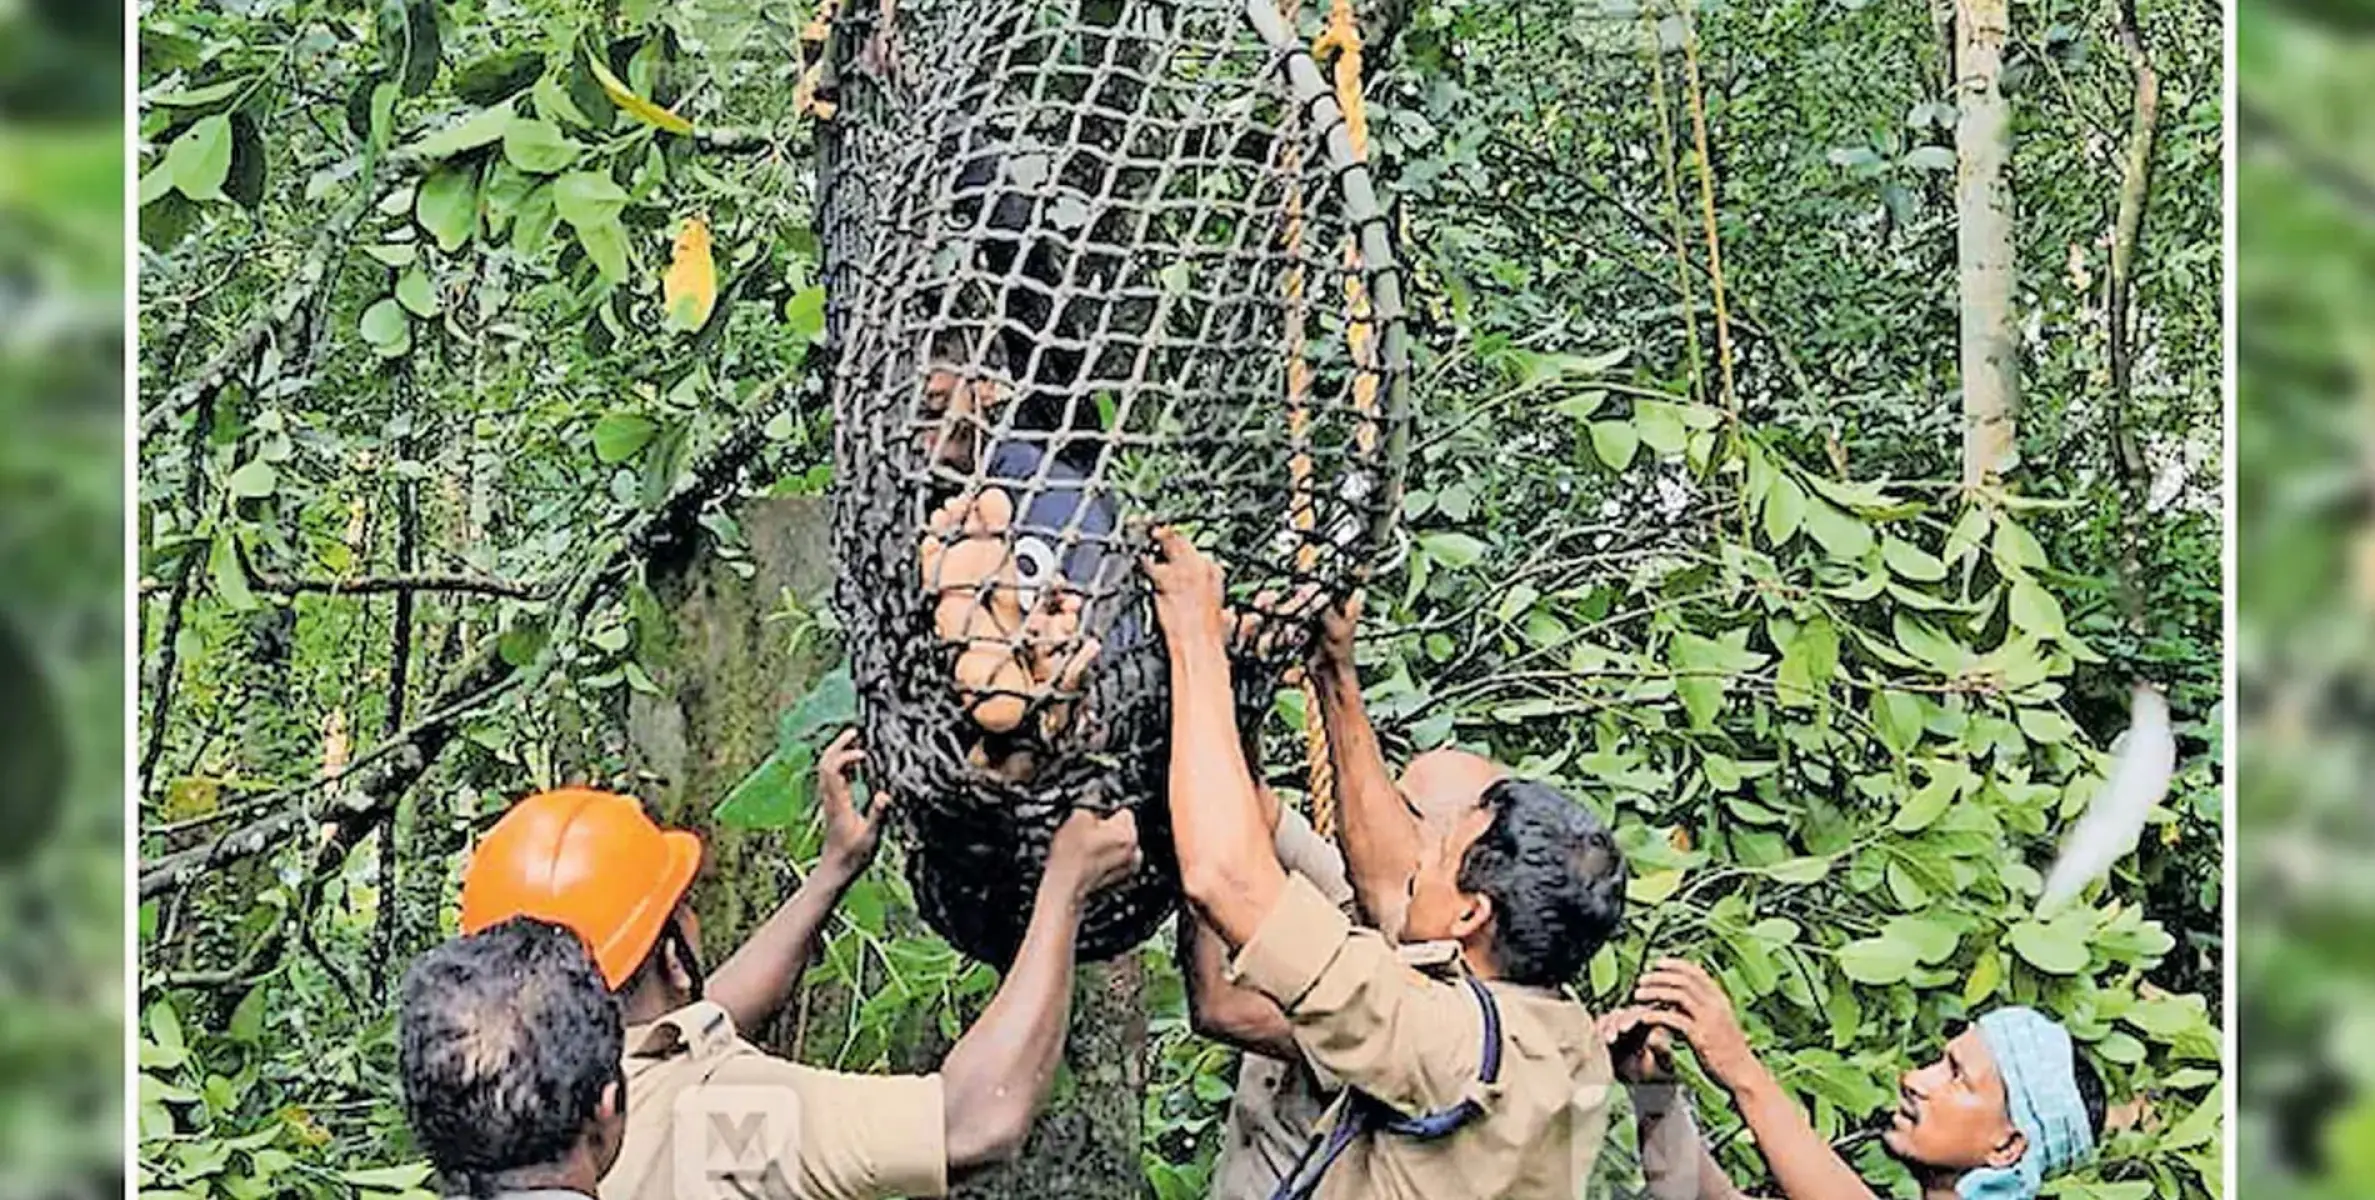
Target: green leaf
<point>1987,974</point>
<point>200,159</point>
<point>805,313</point>
<point>1615,442</point>
<point>1844,538</point>
<point>1878,961</point>
<point>164,1026</point>
<point>1785,511</point>
<point>254,480</point>
<point>1800,870</point>
<point>539,147</point>
<point>387,329</point>
<point>1454,550</point>
<point>606,244</point>
<point>1897,717</point>
<point>485,127</point>
<point>1660,427</point>
<point>2016,550</point>
<point>771,797</point>
<point>230,577</point>
<point>618,436</point>
<point>414,293</point>
<point>2056,948</point>
<point>2035,611</point>
<point>1808,664</point>
<point>588,198</point>
<point>1930,158</point>
<point>1926,805</point>
<point>398,255</point>
<point>830,705</point>
<point>1911,561</point>
<point>2045,725</point>
<point>1968,532</point>
<point>447,206</point>
<point>247,1020</point>
<point>1931,940</point>
<point>532,229</point>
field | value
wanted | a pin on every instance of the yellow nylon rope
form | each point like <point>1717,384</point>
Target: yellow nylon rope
<point>1342,38</point>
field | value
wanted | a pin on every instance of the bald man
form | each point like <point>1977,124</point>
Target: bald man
<point>1281,1096</point>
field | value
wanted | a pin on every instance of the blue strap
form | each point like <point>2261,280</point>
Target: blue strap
<point>1365,1113</point>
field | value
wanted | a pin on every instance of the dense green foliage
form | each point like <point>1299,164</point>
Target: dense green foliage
<point>61,605</point>
<point>1838,711</point>
<point>2306,191</point>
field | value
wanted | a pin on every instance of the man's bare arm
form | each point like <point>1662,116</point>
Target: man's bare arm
<point>754,983</point>
<point>1379,831</point>
<point>1227,1012</point>
<point>1226,863</point>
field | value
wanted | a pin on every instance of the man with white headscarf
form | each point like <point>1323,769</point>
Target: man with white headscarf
<point>2008,1105</point>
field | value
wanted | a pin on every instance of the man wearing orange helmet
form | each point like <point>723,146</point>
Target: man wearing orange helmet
<point>596,863</point>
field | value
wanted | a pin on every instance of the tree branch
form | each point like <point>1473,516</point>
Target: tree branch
<point>381,776</point>
<point>400,585</point>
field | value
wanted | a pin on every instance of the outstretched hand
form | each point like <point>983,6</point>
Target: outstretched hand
<point>851,834</point>
<point>1188,592</point>
<point>1641,1049</point>
<point>1683,997</point>
<point>1096,850</point>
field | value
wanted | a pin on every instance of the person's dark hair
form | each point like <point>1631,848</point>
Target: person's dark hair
<point>506,1039</point>
<point>1556,879</point>
<point>2091,1093</point>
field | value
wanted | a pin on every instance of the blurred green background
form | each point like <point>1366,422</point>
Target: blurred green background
<point>62,263</point>
<point>2305,644</point>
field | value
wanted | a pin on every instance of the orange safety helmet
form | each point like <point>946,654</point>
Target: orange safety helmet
<point>589,860</point>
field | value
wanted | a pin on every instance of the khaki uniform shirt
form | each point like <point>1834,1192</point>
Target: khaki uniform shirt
<point>1278,1104</point>
<point>710,1115</point>
<point>1414,1041</point>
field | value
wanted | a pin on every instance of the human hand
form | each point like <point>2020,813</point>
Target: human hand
<point>851,834</point>
<point>1683,997</point>
<point>1332,650</point>
<point>1642,1050</point>
<point>1093,851</point>
<point>1188,592</point>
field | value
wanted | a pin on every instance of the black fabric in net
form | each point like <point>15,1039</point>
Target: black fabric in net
<point>1089,267</point>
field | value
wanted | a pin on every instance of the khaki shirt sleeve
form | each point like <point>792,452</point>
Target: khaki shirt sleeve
<point>1302,851</point>
<point>856,1137</point>
<point>1358,1011</point>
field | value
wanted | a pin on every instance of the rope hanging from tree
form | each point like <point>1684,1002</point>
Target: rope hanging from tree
<point>1069,295</point>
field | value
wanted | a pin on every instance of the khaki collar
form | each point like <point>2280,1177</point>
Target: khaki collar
<point>700,1029</point>
<point>1437,958</point>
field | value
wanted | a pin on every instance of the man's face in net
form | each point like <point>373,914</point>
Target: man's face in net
<point>959,414</point>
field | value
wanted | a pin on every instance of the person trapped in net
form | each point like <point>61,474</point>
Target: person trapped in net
<point>1467,1070</point>
<point>596,863</point>
<point>1017,550</point>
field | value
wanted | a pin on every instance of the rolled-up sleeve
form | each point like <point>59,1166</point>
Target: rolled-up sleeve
<point>1360,1012</point>
<point>1302,851</point>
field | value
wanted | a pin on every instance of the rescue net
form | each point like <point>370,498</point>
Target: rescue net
<point>1090,266</point>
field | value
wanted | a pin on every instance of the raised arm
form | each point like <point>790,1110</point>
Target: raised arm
<point>1223,1010</point>
<point>998,1074</point>
<point>1226,866</point>
<point>761,975</point>
<point>1682,997</point>
<point>1676,1162</point>
<point>1378,828</point>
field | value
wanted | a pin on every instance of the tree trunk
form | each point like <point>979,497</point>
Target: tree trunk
<point>725,670</point>
<point>1983,208</point>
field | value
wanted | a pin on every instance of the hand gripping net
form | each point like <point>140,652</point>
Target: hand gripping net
<point>1090,267</point>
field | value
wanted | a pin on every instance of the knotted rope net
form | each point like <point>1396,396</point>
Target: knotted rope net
<point>1090,266</point>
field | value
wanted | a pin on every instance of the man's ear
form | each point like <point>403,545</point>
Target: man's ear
<point>1476,913</point>
<point>2013,1146</point>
